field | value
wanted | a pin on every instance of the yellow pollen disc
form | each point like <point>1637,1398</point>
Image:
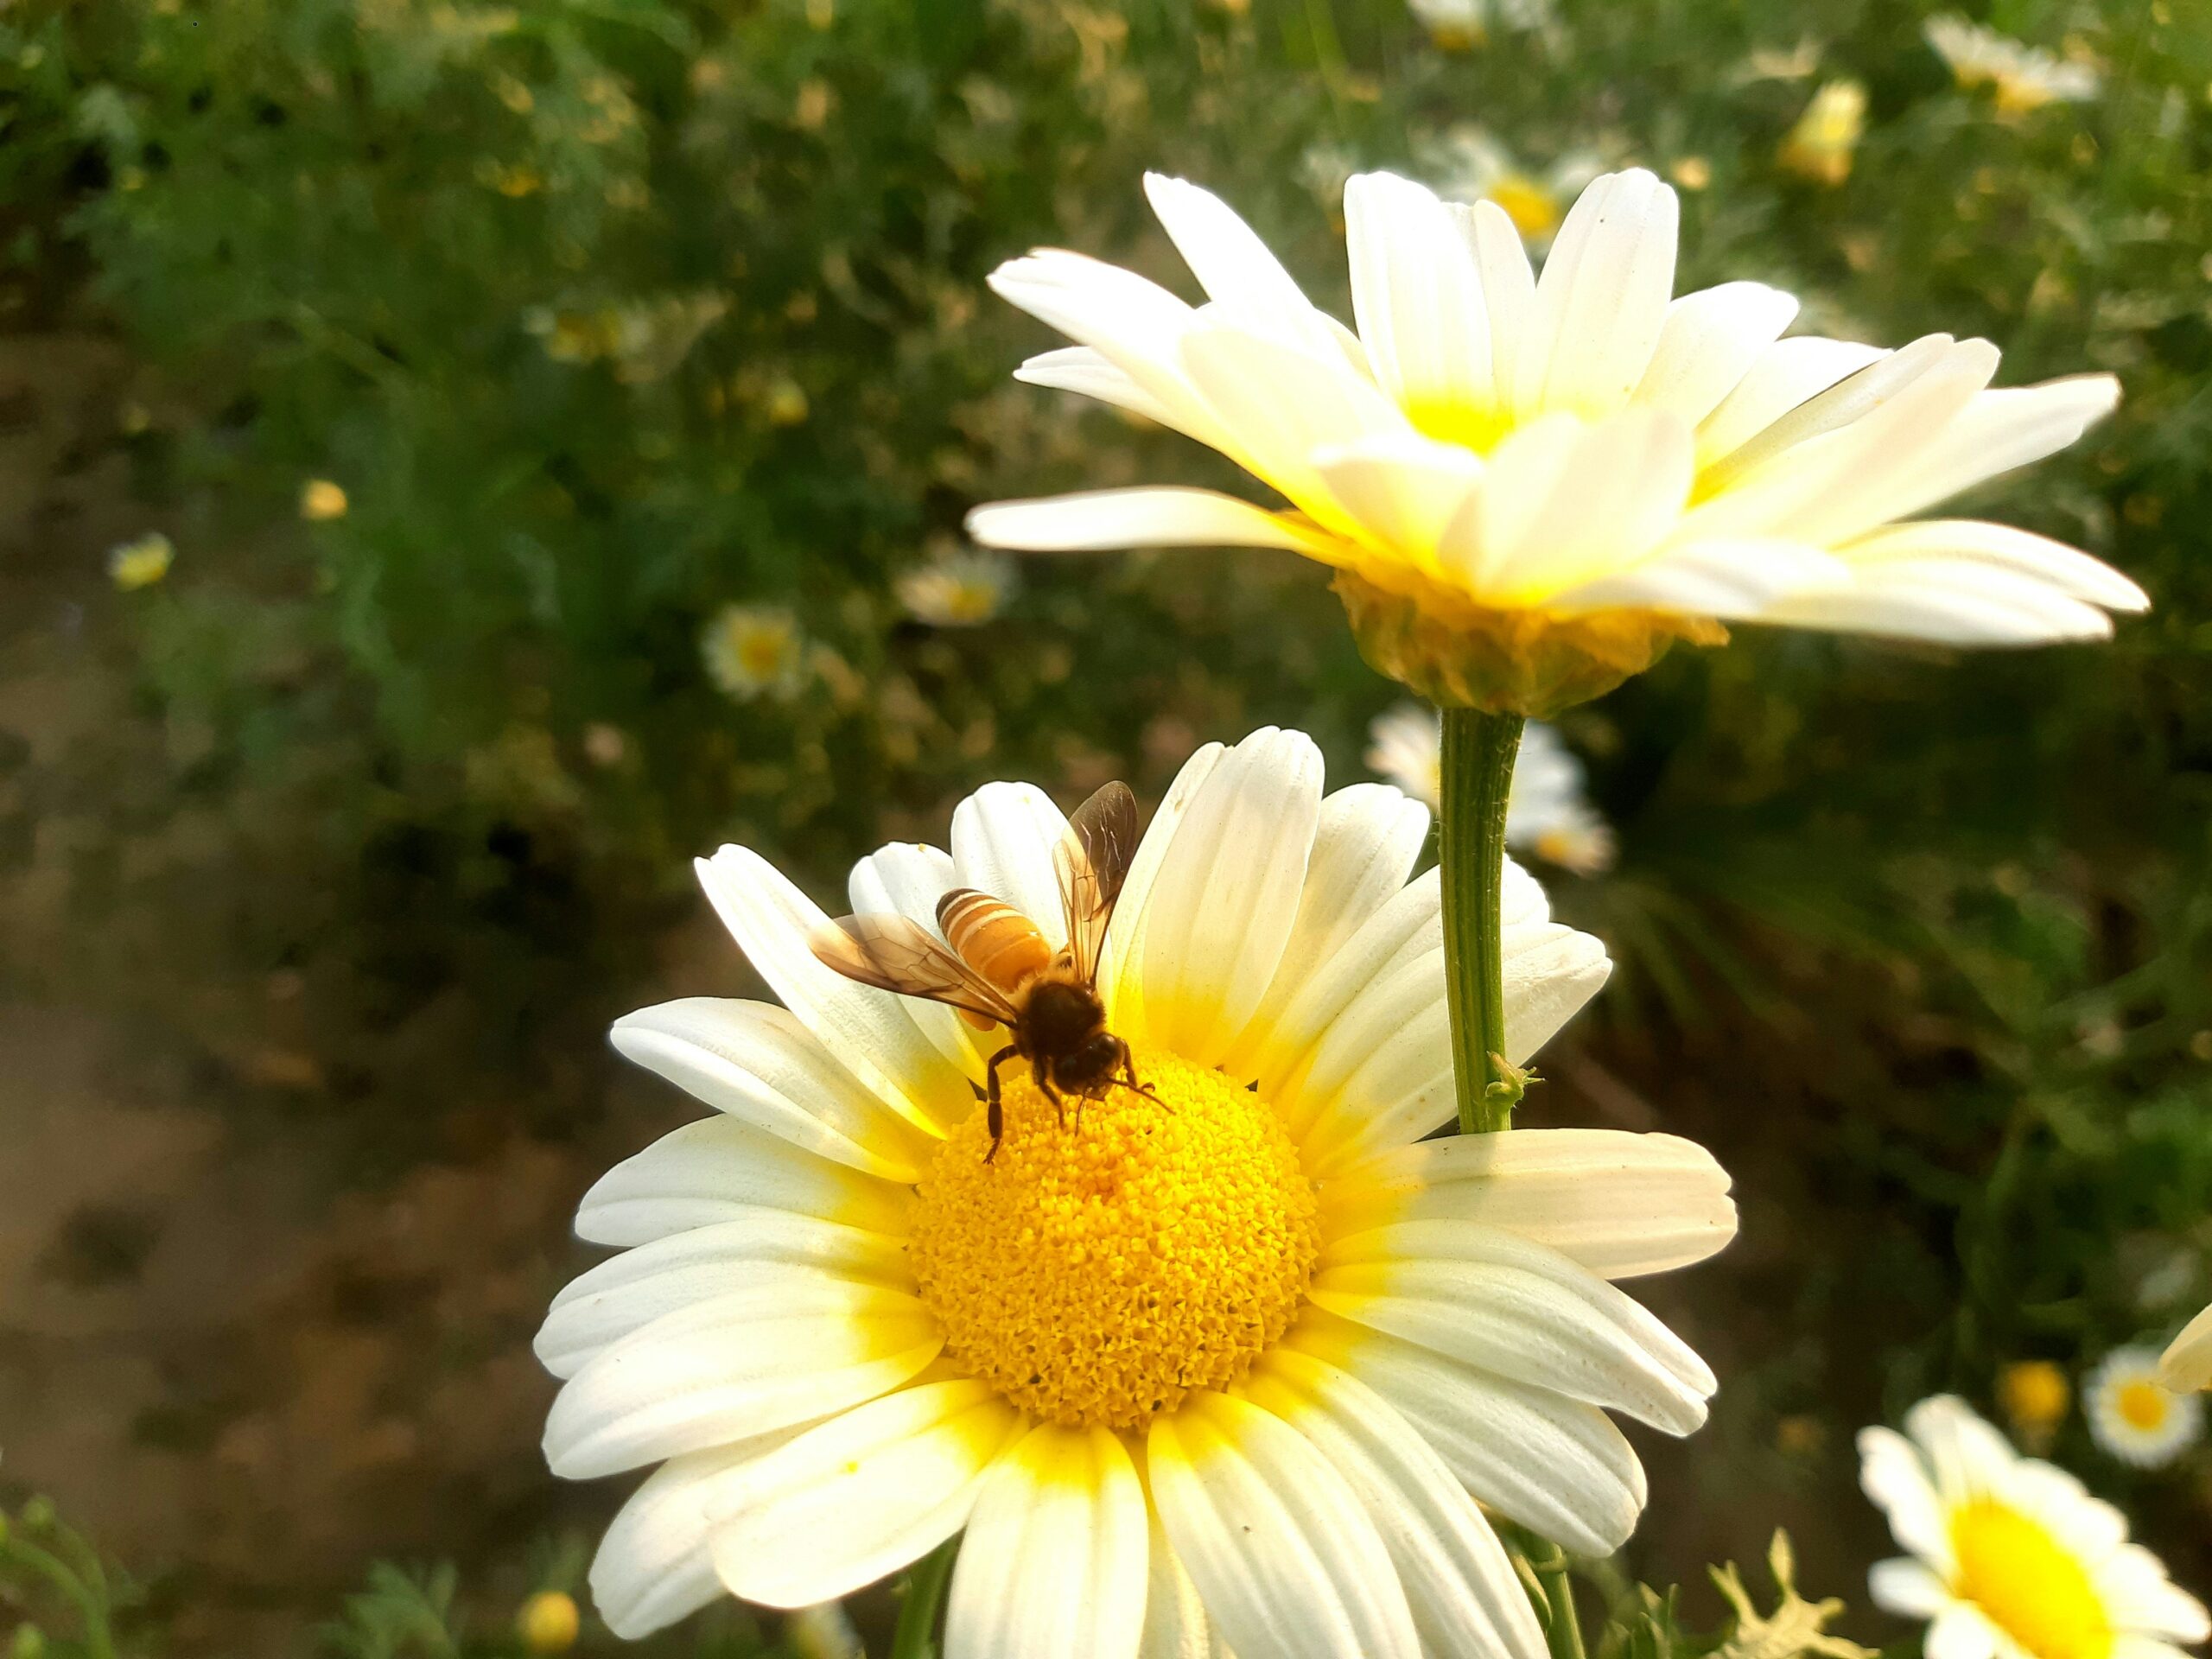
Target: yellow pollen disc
<point>2143,1405</point>
<point>1098,1275</point>
<point>2029,1585</point>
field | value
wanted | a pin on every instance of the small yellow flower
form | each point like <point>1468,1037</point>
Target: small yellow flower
<point>133,565</point>
<point>2035,1395</point>
<point>815,101</point>
<point>821,14</point>
<point>785,403</point>
<point>1820,145</point>
<point>754,651</point>
<point>1692,173</point>
<point>548,1622</point>
<point>322,500</point>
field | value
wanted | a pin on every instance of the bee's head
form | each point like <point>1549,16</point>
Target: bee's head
<point>1087,1068</point>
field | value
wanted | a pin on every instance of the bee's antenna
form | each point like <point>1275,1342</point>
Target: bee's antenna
<point>1139,1088</point>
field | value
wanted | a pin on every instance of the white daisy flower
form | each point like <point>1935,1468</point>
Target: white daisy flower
<point>1458,25</point>
<point>2010,1557</point>
<point>2186,1366</point>
<point>1548,812</point>
<point>960,588</point>
<point>1823,144</point>
<point>1238,1364</point>
<point>1503,465</point>
<point>2023,77</point>
<point>1466,164</point>
<point>754,651</point>
<point>2134,1415</point>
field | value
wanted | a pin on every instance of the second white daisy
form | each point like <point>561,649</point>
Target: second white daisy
<point>2010,1557</point>
<point>2134,1415</point>
<point>1548,812</point>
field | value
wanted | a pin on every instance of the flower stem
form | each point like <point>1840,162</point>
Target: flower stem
<point>1563,1631</point>
<point>1478,777</point>
<point>923,1595</point>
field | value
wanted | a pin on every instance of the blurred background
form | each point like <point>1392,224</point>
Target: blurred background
<point>459,460</point>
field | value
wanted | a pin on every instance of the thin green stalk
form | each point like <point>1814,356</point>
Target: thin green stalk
<point>924,1594</point>
<point>1478,777</point>
<point>1563,1630</point>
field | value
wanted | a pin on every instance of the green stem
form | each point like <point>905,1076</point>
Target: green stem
<point>924,1594</point>
<point>1563,1630</point>
<point>1477,778</point>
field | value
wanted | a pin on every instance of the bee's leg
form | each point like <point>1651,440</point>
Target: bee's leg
<point>1128,1080</point>
<point>1059,1106</point>
<point>995,1121</point>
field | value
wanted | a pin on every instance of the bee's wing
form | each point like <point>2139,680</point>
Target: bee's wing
<point>898,953</point>
<point>1092,860</point>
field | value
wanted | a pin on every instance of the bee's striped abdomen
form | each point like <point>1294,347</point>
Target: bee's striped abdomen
<point>993,938</point>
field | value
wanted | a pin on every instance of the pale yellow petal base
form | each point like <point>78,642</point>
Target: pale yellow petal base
<point>1462,655</point>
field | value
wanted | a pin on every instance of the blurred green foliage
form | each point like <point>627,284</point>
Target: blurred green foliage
<point>607,314</point>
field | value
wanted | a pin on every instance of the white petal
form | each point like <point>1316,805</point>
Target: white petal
<point>1732,579</point>
<point>1602,300</point>
<point>1906,1588</point>
<point>1416,295</point>
<point>1457,1580</point>
<point>2186,1365</point>
<point>1285,405</point>
<point>907,879</point>
<point>1364,845</point>
<point>1996,433</point>
<point>1120,977</point>
<point>1176,1625</point>
<point>1092,374</point>
<point>1054,1560</point>
<point>721,1170</point>
<point>1137,325</point>
<point>1564,504</point>
<point>1509,285</point>
<point>1558,1467</point>
<point>1232,264</point>
<point>1851,398</point>
<point>1708,344</point>
<point>742,1364</point>
<point>1514,1308</point>
<point>1960,1632</point>
<point>757,1064</point>
<point>1405,490</point>
<point>765,1248</point>
<point>1966,1456</point>
<point>1950,601</point>
<point>653,1566</point>
<point>1619,1204</point>
<point>867,1029</point>
<point>861,1496</point>
<point>1894,1477</point>
<point>1166,516</point>
<point>2064,569</point>
<point>1278,1544</point>
<point>1226,898</point>
<point>1002,840</point>
<point>1786,374</point>
<point>1409,925</point>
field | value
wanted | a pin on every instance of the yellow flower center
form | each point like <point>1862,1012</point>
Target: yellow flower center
<point>761,654</point>
<point>2027,1583</point>
<point>2142,1405</point>
<point>1097,1273</point>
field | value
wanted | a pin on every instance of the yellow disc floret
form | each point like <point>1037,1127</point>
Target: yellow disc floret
<point>2028,1583</point>
<point>1098,1272</point>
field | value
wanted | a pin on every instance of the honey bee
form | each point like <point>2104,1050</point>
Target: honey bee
<point>1001,969</point>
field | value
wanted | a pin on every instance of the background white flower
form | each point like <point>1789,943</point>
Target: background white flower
<point>1236,1368</point>
<point>1582,445</point>
<point>2023,77</point>
<point>2010,1557</point>
<point>1549,813</point>
<point>957,588</point>
<point>2134,1415</point>
<point>1468,163</point>
<point>754,651</point>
